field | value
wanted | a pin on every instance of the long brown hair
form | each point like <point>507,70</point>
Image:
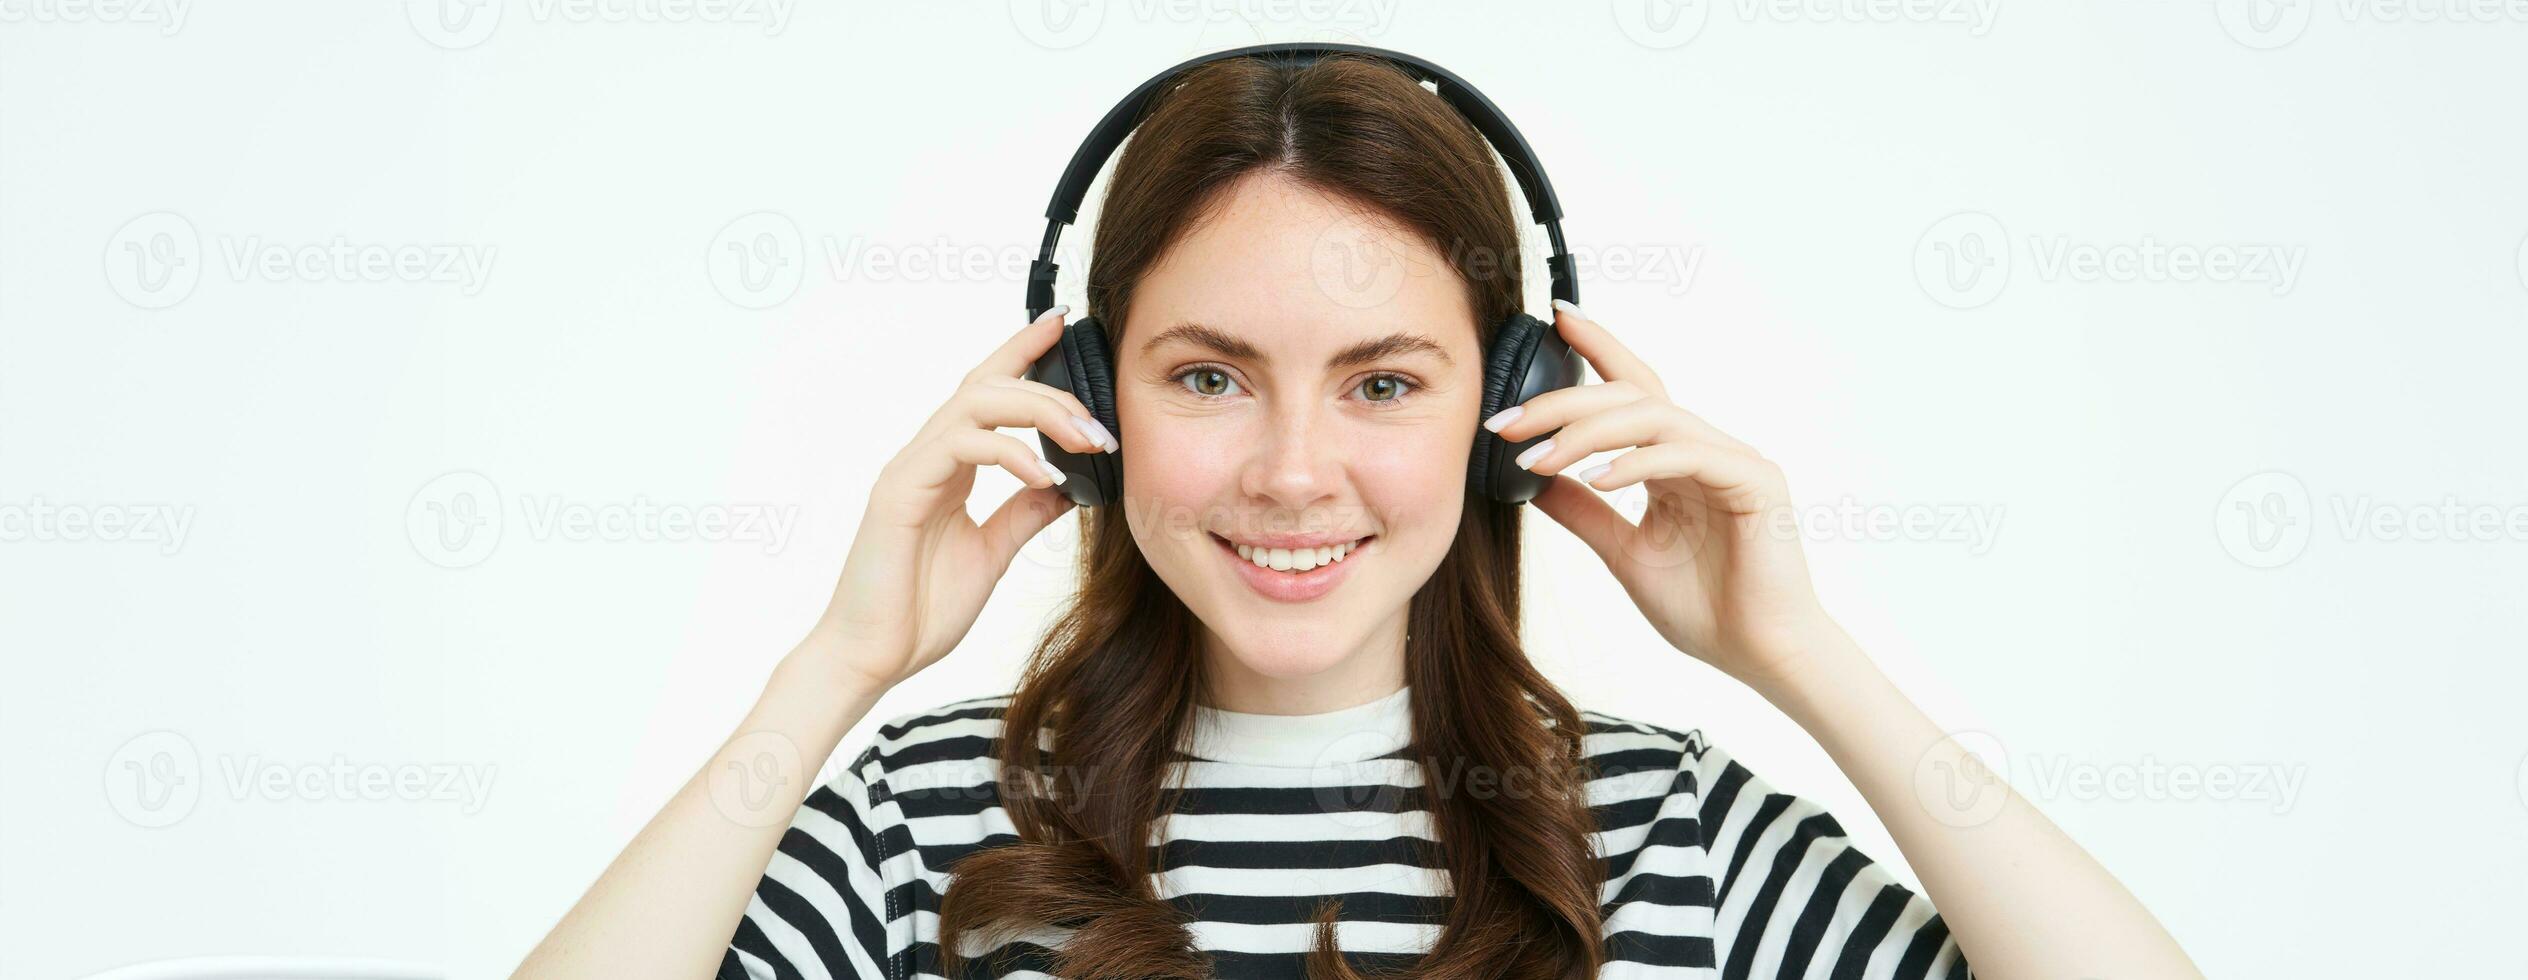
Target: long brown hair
<point>1115,681</point>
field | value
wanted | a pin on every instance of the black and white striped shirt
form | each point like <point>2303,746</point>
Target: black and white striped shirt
<point>1711,873</point>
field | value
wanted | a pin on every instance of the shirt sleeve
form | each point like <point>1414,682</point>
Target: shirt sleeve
<point>1795,898</point>
<point>824,909</point>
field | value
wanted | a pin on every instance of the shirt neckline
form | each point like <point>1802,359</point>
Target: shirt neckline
<point>1344,735</point>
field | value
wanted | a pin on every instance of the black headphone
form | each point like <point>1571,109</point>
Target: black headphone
<point>1527,357</point>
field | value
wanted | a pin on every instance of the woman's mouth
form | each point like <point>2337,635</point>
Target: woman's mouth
<point>1293,574</point>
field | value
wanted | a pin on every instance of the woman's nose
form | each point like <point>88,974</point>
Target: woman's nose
<point>1296,462</point>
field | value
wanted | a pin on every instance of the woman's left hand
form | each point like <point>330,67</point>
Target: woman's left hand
<point>1715,563</point>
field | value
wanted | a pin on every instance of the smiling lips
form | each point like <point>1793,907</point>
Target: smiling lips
<point>1292,574</point>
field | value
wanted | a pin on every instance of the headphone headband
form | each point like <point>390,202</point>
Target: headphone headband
<point>1470,103</point>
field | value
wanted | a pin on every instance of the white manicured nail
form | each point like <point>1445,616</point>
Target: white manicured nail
<point>1572,308</point>
<point>1504,417</point>
<point>1095,432</point>
<point>1055,310</point>
<point>1591,474</point>
<point>1534,453</point>
<point>1051,473</point>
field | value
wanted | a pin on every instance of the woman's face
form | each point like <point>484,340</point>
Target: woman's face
<point>1297,370</point>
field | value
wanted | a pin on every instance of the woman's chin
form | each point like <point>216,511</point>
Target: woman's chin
<point>1292,657</point>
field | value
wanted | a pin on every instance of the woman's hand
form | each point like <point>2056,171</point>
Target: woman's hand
<point>1715,563</point>
<point>920,568</point>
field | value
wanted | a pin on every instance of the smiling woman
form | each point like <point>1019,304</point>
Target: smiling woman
<point>1286,726</point>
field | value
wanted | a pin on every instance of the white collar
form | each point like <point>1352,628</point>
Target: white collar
<point>1344,735</point>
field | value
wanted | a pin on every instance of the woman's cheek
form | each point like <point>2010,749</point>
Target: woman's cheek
<point>1414,479</point>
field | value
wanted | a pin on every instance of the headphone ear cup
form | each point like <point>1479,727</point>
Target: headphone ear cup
<point>1528,358</point>
<point>1080,364</point>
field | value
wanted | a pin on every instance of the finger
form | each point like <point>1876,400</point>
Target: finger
<point>1742,483</point>
<point>1641,423</point>
<point>934,462</point>
<point>1591,519</point>
<point>1022,349</point>
<point>989,406</point>
<point>1613,360</point>
<point>1553,409</point>
<point>1020,518</point>
<point>1070,402</point>
<point>1700,429</point>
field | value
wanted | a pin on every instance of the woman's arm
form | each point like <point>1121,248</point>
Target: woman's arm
<point>1715,565</point>
<point>668,904</point>
<point>2022,899</point>
<point>917,575</point>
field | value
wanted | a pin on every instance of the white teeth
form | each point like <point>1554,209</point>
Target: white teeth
<point>1293,559</point>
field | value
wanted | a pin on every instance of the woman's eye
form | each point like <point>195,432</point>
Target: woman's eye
<point>1211,382</point>
<point>1385,388</point>
<point>1208,381</point>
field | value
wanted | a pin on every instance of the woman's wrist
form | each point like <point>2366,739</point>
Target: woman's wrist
<point>820,667</point>
<point>1809,667</point>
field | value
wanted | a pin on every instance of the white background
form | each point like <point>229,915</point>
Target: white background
<point>2152,616</point>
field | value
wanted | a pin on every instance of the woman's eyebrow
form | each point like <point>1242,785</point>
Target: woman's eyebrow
<point>1230,345</point>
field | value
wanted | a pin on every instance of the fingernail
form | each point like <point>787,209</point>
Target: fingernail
<point>1570,307</point>
<point>1504,417</point>
<point>1055,310</point>
<point>1051,472</point>
<point>1591,474</point>
<point>1096,433</point>
<point>1535,452</point>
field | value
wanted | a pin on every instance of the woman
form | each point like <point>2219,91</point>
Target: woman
<point>1286,728</point>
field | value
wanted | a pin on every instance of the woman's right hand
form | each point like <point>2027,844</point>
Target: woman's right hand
<point>919,568</point>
